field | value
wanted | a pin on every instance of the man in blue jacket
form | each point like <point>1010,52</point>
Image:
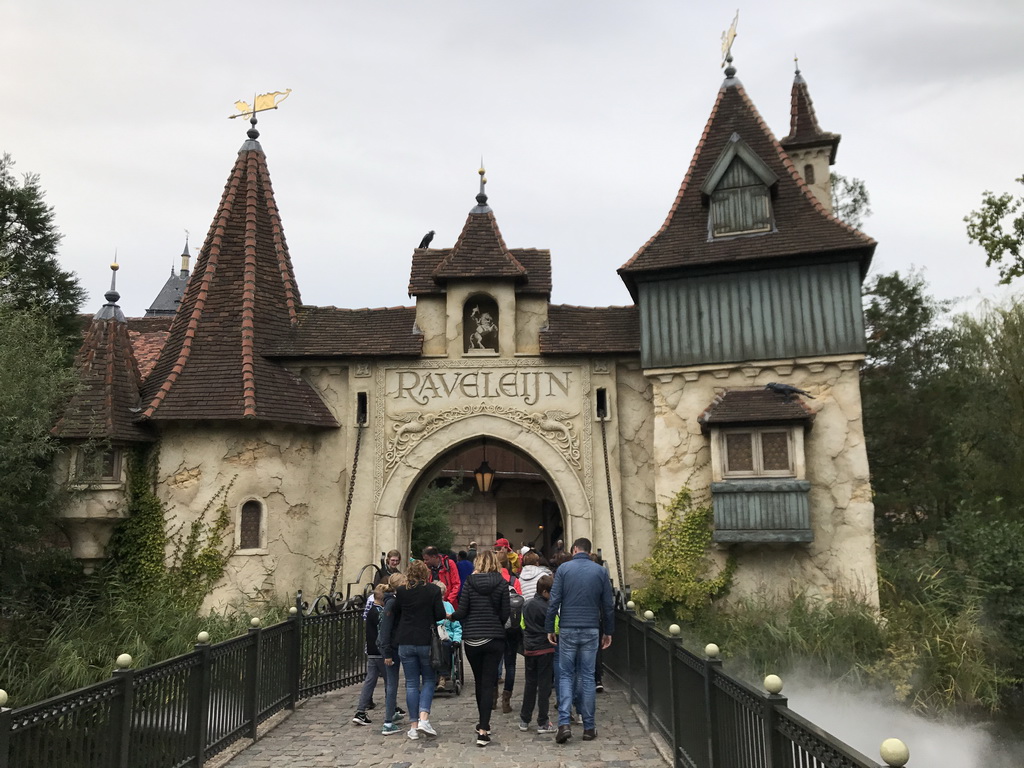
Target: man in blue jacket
<point>582,598</point>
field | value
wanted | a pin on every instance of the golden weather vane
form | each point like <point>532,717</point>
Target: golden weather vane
<point>261,103</point>
<point>727,37</point>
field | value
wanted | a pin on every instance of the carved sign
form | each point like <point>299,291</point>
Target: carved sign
<point>435,387</point>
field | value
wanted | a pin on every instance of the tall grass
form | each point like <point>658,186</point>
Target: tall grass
<point>73,641</point>
<point>930,646</point>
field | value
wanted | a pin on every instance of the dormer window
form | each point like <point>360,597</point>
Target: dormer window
<point>738,191</point>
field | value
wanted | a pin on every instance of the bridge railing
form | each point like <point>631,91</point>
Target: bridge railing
<point>713,720</point>
<point>183,711</point>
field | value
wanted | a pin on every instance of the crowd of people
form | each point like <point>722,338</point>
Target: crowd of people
<point>495,605</point>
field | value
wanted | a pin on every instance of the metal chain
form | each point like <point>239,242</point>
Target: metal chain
<point>348,511</point>
<point>611,508</point>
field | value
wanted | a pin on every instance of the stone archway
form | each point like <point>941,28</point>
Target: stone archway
<point>393,513</point>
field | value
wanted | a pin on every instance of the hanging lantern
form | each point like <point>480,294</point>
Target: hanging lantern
<point>483,474</point>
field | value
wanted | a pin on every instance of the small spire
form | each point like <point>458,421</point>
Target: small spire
<point>185,258</point>
<point>481,198</point>
<point>797,77</point>
<point>110,310</point>
<point>252,133</point>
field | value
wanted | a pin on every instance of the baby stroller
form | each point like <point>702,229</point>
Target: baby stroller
<point>456,676</point>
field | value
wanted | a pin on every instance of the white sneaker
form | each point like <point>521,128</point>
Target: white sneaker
<point>426,727</point>
<point>413,733</point>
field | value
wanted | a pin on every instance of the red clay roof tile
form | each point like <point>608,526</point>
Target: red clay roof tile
<point>242,298</point>
<point>590,330</point>
<point>105,405</point>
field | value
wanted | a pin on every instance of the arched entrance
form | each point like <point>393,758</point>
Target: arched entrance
<point>520,504</point>
<point>564,492</point>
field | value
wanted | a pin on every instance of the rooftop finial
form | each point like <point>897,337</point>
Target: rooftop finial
<point>110,310</point>
<point>727,40</point>
<point>796,65</point>
<point>482,196</point>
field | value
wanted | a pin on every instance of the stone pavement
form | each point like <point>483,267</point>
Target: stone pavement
<point>321,734</point>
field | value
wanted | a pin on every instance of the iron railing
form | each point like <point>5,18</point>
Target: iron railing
<point>183,711</point>
<point>710,719</point>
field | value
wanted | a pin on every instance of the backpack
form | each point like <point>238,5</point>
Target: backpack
<point>515,604</point>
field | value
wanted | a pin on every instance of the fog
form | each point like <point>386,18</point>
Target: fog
<point>863,719</point>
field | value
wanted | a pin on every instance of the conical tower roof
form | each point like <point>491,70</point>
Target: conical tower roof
<point>241,298</point>
<point>804,130</point>
<point>169,298</point>
<point>480,251</point>
<point>801,227</point>
<point>106,402</point>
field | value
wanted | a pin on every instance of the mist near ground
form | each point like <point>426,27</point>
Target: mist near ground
<point>863,719</point>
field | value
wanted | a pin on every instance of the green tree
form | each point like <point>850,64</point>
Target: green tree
<point>998,227</point>
<point>850,199</point>
<point>30,275</point>
<point>911,412</point>
<point>431,525</point>
<point>35,381</point>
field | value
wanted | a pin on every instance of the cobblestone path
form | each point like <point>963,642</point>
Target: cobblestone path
<point>321,734</point>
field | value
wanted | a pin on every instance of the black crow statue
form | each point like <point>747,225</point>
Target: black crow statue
<point>786,390</point>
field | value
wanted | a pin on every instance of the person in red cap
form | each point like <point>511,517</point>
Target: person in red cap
<point>502,545</point>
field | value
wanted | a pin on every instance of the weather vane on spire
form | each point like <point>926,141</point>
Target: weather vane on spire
<point>727,37</point>
<point>261,103</point>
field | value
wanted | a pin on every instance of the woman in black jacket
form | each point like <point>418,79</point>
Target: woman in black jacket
<point>483,611</point>
<point>417,608</point>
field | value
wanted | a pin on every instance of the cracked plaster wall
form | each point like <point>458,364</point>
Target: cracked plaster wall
<point>531,317</point>
<point>634,415</point>
<point>299,476</point>
<point>841,559</point>
<point>432,321</point>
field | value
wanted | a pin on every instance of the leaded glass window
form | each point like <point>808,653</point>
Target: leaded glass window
<point>764,452</point>
<point>250,526</point>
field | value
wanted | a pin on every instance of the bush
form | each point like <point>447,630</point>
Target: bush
<point>676,573</point>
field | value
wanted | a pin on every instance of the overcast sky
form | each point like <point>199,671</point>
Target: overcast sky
<point>586,113</point>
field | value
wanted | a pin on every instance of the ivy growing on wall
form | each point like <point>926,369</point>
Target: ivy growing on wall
<point>140,546</point>
<point>677,572</point>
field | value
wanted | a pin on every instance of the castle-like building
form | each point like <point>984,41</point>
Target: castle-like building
<point>321,423</point>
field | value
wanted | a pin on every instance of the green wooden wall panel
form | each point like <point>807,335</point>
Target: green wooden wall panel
<point>774,313</point>
<point>761,510</point>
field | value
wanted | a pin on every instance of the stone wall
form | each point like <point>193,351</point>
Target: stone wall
<point>841,559</point>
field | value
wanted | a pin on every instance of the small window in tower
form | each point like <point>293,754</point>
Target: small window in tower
<point>101,465</point>
<point>740,203</point>
<point>809,173</point>
<point>250,526</point>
